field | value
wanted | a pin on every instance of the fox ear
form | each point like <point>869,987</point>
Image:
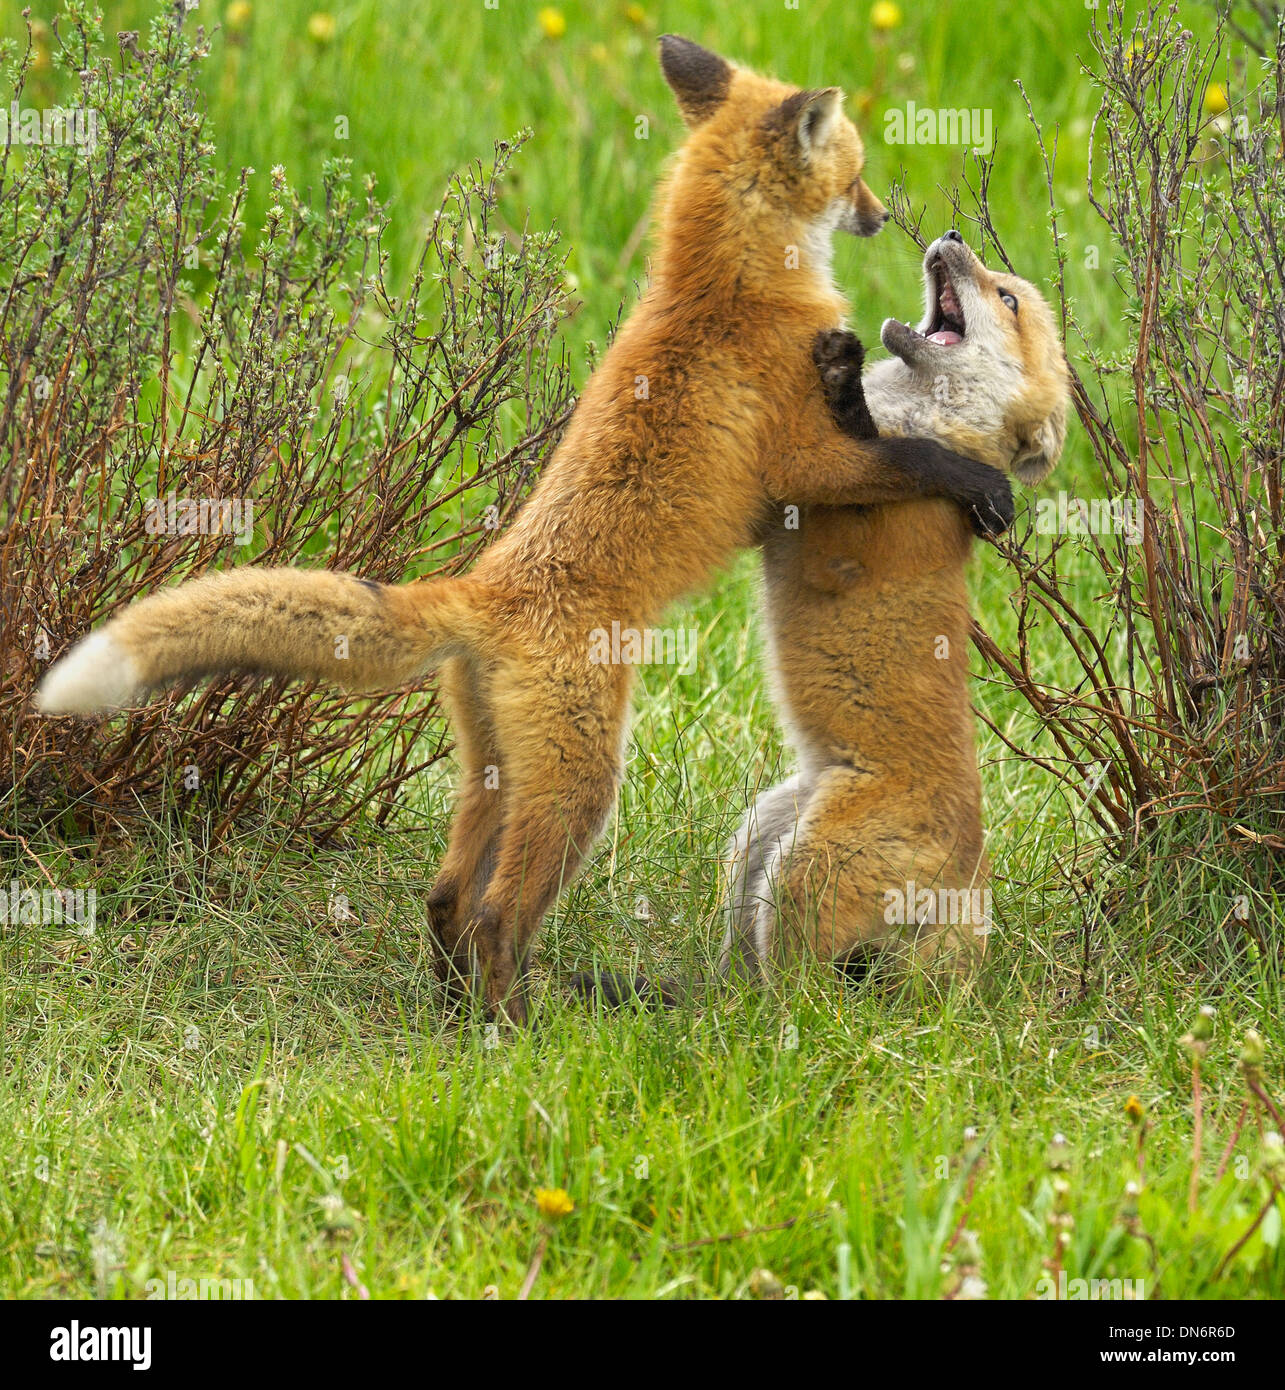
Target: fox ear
<point>809,118</point>
<point>1040,448</point>
<point>697,77</point>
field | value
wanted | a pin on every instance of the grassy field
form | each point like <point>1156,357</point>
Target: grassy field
<point>226,1083</point>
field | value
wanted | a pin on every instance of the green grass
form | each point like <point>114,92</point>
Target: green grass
<point>224,1082</point>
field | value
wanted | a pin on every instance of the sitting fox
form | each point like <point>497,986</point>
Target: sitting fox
<point>876,841</point>
<point>649,494</point>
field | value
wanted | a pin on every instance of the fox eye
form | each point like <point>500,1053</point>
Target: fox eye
<point>1009,299</point>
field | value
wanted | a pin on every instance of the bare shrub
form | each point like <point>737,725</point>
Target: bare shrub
<point>1165,720</point>
<point>155,352</point>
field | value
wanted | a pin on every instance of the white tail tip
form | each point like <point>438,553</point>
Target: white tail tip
<point>95,677</point>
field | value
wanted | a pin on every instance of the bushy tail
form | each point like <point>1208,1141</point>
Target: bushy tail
<point>309,624</point>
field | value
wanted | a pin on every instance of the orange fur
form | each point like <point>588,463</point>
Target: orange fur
<point>868,622</point>
<point>703,422</point>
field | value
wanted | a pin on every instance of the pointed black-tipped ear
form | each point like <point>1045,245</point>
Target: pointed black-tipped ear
<point>697,77</point>
<point>808,118</point>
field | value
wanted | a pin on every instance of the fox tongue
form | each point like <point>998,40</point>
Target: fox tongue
<point>947,337</point>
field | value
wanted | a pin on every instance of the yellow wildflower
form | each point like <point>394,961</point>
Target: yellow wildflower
<point>1215,102</point>
<point>554,1203</point>
<point>321,27</point>
<point>885,15</point>
<point>553,23</point>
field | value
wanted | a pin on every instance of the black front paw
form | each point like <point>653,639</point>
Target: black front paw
<point>839,357</point>
<point>990,508</point>
<point>836,347</point>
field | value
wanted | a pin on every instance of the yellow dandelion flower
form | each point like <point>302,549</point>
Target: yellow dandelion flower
<point>1215,102</point>
<point>1134,1109</point>
<point>554,1203</point>
<point>237,14</point>
<point>635,14</point>
<point>321,27</point>
<point>885,15</point>
<point>553,23</point>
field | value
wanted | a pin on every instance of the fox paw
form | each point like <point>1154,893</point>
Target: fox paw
<point>840,357</point>
<point>991,510</point>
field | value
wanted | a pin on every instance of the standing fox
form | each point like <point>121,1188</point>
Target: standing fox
<point>703,422</point>
<point>877,839</point>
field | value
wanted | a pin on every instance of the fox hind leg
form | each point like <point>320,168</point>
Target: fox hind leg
<point>824,889</point>
<point>559,793</point>
<point>475,827</point>
<point>830,890</point>
<point>767,830</point>
<point>543,844</point>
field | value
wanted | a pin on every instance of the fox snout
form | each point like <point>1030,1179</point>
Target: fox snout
<point>868,213</point>
<point>951,249</point>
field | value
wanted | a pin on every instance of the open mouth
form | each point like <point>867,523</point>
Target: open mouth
<point>945,325</point>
